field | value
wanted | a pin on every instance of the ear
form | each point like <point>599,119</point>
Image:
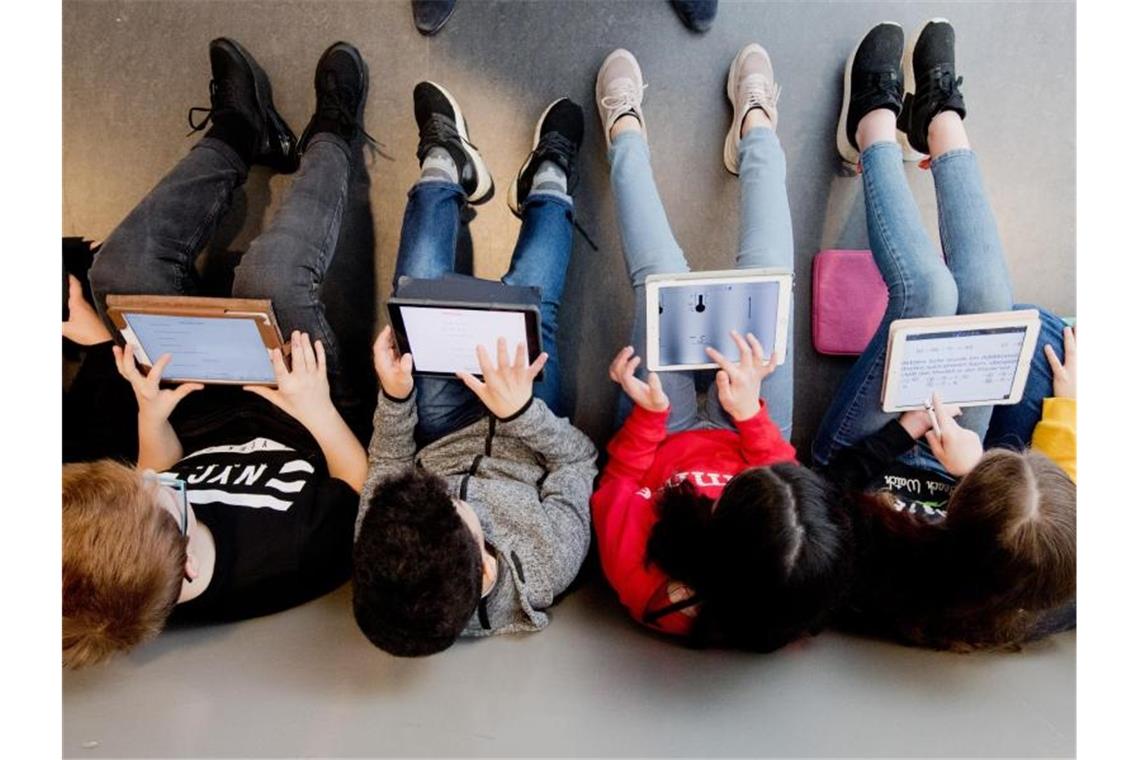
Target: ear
<point>191,570</point>
<point>490,572</point>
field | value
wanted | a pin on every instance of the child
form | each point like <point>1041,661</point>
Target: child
<point>475,513</point>
<point>252,508</point>
<point>961,544</point>
<point>707,527</point>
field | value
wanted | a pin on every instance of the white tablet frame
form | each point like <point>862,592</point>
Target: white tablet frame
<point>654,283</point>
<point>901,328</point>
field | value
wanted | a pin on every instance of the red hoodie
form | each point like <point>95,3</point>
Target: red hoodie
<point>643,458</point>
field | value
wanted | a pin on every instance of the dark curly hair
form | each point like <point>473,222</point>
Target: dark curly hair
<point>416,568</point>
<point>770,560</point>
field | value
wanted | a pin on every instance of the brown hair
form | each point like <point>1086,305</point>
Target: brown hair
<point>123,561</point>
<point>990,574</point>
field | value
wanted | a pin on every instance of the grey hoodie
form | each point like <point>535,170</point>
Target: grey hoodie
<point>529,480</point>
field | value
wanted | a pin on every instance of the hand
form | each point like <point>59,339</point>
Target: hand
<point>958,449</point>
<point>84,327</point>
<point>395,371</point>
<point>303,391</point>
<point>155,404</point>
<point>648,396</point>
<point>1064,375</point>
<point>505,388</point>
<point>917,421</point>
<point>738,383</point>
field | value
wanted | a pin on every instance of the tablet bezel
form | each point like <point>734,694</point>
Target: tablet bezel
<point>901,328</point>
<point>257,310</point>
<point>654,283</point>
<point>531,314</point>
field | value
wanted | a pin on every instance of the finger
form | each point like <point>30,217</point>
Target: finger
<point>656,392</point>
<point>1054,361</point>
<point>757,349</point>
<point>118,354</point>
<point>1070,339</point>
<point>299,361</point>
<point>627,374</point>
<point>319,350</point>
<point>940,413</point>
<point>501,353</point>
<point>539,363</point>
<point>127,366</point>
<point>307,350</point>
<point>74,289</point>
<point>406,363</point>
<point>721,361</point>
<point>935,444</point>
<point>771,365</point>
<point>520,359</point>
<point>278,362</point>
<point>154,377</point>
<point>472,382</point>
<point>484,359</point>
<point>742,346</point>
<point>723,384</point>
<point>619,362</point>
<point>184,390</point>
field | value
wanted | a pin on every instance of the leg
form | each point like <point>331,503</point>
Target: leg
<point>918,285</point>
<point>152,251</point>
<point>1012,425</point>
<point>765,241</point>
<point>649,248</point>
<point>541,256</point>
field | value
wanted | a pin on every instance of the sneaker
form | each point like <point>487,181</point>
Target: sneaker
<point>873,79</point>
<point>240,92</point>
<point>932,84</point>
<point>341,82</point>
<point>618,90</point>
<point>750,85</point>
<point>557,138</point>
<point>442,125</point>
<point>431,15</point>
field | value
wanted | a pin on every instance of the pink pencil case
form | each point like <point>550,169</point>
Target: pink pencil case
<point>849,299</point>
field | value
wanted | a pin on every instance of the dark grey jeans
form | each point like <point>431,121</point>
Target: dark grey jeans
<point>152,251</point>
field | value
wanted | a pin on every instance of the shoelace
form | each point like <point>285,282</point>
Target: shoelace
<point>217,94</point>
<point>623,99</point>
<point>885,83</point>
<point>332,106</point>
<point>553,143</point>
<point>761,93</point>
<point>439,130</point>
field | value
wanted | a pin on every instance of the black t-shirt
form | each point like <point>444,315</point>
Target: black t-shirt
<point>281,526</point>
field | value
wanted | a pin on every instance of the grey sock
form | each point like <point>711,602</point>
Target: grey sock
<point>438,165</point>
<point>549,178</point>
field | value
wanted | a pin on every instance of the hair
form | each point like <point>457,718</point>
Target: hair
<point>770,560</point>
<point>416,569</point>
<point>991,575</point>
<point>123,561</point>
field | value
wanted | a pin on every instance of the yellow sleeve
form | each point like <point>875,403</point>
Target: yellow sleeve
<point>1056,434</point>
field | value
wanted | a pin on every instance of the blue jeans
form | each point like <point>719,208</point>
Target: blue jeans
<point>152,251</point>
<point>428,240</point>
<point>649,247</point>
<point>972,279</point>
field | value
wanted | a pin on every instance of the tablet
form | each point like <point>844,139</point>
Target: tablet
<point>210,340</point>
<point>969,360</point>
<point>685,313</point>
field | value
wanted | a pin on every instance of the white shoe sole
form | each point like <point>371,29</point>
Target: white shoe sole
<point>513,191</point>
<point>909,153</point>
<point>598,93</point>
<point>731,149</point>
<point>485,183</point>
<point>848,152</point>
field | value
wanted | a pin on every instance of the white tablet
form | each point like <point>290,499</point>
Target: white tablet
<point>685,313</point>
<point>969,360</point>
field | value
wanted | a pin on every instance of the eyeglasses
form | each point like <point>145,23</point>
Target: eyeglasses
<point>179,487</point>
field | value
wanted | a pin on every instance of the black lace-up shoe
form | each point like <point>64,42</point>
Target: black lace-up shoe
<point>341,82</point>
<point>873,79</point>
<point>557,138</point>
<point>442,125</point>
<point>241,109</point>
<point>930,67</point>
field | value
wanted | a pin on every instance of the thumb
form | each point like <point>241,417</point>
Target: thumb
<point>935,444</point>
<point>406,363</point>
<point>269,394</point>
<point>186,389</point>
<point>722,381</point>
<point>472,382</point>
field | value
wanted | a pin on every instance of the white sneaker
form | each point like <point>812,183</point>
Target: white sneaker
<point>618,90</point>
<point>751,84</point>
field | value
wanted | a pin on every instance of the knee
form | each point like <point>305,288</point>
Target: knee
<point>933,293</point>
<point>984,294</point>
<point>284,286</point>
<point>113,272</point>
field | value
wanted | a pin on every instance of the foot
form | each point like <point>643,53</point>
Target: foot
<point>341,82</point>
<point>750,85</point>
<point>431,15</point>
<point>442,125</point>
<point>241,109</point>
<point>930,67</point>
<point>618,90</point>
<point>872,80</point>
<point>697,15</point>
<point>557,138</point>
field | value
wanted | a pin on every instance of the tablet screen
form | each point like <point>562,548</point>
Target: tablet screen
<point>443,340</point>
<point>205,348</point>
<point>961,365</point>
<point>692,317</point>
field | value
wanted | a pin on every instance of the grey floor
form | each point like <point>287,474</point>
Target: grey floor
<point>306,682</point>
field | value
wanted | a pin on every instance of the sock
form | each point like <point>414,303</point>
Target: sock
<point>236,134</point>
<point>549,178</point>
<point>438,165</point>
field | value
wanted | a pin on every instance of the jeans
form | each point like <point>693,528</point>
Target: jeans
<point>152,251</point>
<point>428,240</point>
<point>649,247</point>
<point>972,279</point>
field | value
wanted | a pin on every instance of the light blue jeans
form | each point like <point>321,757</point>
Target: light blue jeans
<point>972,279</point>
<point>649,247</point>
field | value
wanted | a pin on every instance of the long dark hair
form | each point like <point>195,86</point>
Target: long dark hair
<point>770,560</point>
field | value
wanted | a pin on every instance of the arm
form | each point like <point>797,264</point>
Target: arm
<point>1056,434</point>
<point>856,467</point>
<point>760,440</point>
<point>634,447</point>
<point>159,447</point>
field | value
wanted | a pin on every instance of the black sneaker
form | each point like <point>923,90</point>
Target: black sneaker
<point>241,108</point>
<point>557,137</point>
<point>930,71</point>
<point>442,125</point>
<point>872,79</point>
<point>341,82</point>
